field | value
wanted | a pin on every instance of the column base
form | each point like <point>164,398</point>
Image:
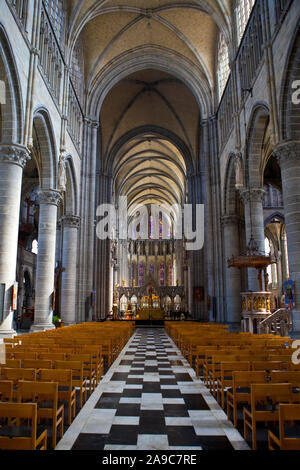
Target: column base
<point>7,333</point>
<point>42,327</point>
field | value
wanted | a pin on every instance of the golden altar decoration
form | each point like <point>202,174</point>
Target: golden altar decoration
<point>150,308</point>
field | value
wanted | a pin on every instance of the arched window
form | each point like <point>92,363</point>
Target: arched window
<point>243,11</point>
<point>141,274</point>
<point>223,69</point>
<point>77,68</point>
<point>56,14</point>
<point>161,274</point>
<point>170,275</point>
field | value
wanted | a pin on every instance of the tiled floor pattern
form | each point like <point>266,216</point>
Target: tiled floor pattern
<point>150,399</point>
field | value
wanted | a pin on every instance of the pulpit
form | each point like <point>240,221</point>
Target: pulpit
<point>256,306</point>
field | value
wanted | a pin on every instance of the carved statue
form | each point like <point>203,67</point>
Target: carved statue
<point>239,182</point>
<point>62,177</point>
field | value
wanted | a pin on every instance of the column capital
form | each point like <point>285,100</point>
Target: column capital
<point>49,196</point>
<point>253,195</point>
<point>230,220</point>
<point>15,154</point>
<point>287,151</point>
<point>72,221</point>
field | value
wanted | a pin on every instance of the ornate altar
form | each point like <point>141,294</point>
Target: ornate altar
<point>150,308</point>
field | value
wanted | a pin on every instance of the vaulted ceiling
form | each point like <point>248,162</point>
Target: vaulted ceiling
<point>110,28</point>
<point>150,118</point>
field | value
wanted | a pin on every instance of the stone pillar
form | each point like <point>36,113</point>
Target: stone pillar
<point>232,275</point>
<point>289,159</point>
<point>13,158</point>
<point>70,225</point>
<point>49,200</point>
<point>254,219</point>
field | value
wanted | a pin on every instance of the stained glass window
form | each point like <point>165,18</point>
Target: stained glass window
<point>243,11</point>
<point>223,69</point>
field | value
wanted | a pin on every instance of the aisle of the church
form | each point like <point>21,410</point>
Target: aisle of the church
<point>150,399</point>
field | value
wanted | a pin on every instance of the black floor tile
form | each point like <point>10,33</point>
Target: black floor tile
<point>128,409</point>
<point>131,392</point>
<point>168,381</point>
<point>184,377</point>
<point>215,443</point>
<point>133,381</point>
<point>176,411</point>
<point>125,435</point>
<point>151,369</point>
<point>151,387</point>
<point>125,362</point>
<point>119,376</point>
<point>108,400</point>
<point>90,442</point>
<point>195,402</point>
<point>152,422</point>
<point>171,393</point>
<point>166,372</point>
<point>182,436</point>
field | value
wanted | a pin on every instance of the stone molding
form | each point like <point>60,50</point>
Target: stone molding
<point>49,196</point>
<point>72,221</point>
<point>253,195</point>
<point>287,151</point>
<point>230,219</point>
<point>15,154</point>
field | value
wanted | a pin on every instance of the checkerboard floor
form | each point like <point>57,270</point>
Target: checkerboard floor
<point>150,399</point>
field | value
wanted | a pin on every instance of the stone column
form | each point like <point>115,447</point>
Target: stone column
<point>70,225</point>
<point>254,219</point>
<point>49,200</point>
<point>233,275</point>
<point>13,158</point>
<point>288,154</point>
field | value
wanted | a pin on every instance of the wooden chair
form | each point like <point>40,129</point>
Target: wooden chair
<point>21,437</point>
<point>225,380</point>
<point>37,364</point>
<point>24,355</point>
<point>6,390</point>
<point>292,377</point>
<point>268,365</point>
<point>241,390</point>
<point>77,376</point>
<point>66,390</point>
<point>287,413</point>
<point>89,368</point>
<point>13,363</point>
<point>45,394</point>
<point>61,356</point>
<point>264,406</point>
<point>15,375</point>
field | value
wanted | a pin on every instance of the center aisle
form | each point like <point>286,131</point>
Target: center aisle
<point>150,399</point>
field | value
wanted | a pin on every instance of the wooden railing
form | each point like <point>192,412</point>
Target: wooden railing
<point>278,323</point>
